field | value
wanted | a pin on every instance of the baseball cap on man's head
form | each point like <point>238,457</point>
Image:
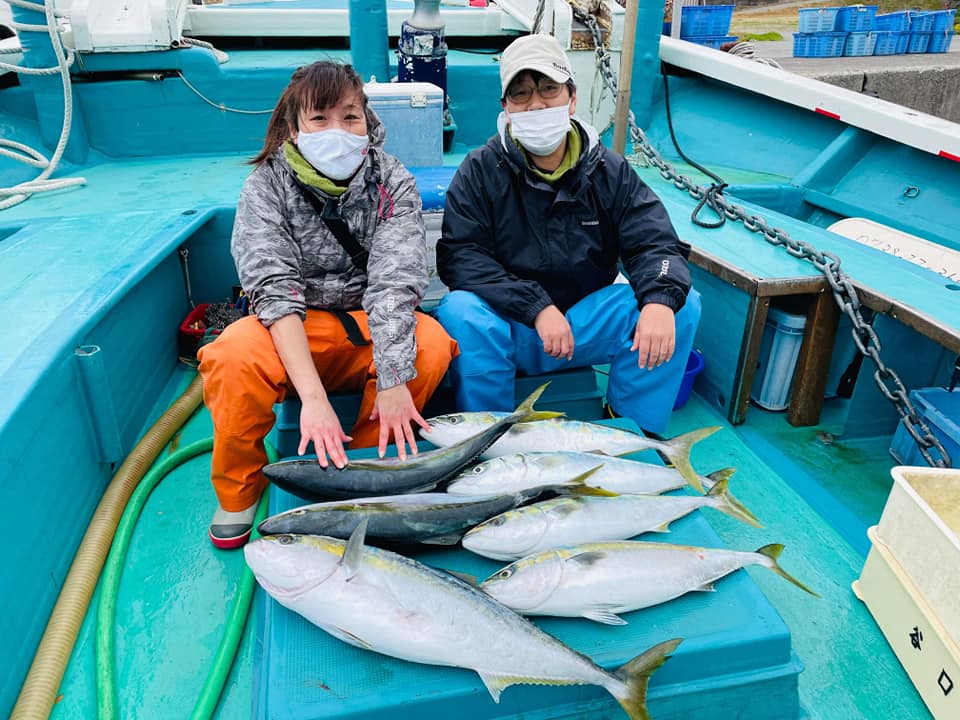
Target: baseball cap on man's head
<point>534,52</point>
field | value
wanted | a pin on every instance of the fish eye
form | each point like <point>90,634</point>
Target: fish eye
<point>478,469</point>
<point>284,539</point>
<point>454,419</point>
<point>299,512</point>
<point>505,573</point>
<point>498,521</point>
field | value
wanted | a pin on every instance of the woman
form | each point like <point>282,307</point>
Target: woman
<point>329,246</point>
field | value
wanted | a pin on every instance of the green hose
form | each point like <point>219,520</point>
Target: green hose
<point>223,661</point>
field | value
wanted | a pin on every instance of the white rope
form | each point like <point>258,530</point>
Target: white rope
<point>18,193</point>
<point>220,55</point>
<point>221,106</point>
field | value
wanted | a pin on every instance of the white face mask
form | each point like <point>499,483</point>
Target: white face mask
<point>335,153</point>
<point>541,131</point>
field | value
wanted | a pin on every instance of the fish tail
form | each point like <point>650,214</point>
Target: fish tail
<point>773,552</point>
<point>525,411</point>
<point>727,503</point>
<point>718,475</point>
<point>635,675</point>
<point>678,448</point>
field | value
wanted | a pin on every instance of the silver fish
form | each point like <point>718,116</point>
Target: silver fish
<point>570,435</point>
<point>309,480</point>
<point>599,580</point>
<point>523,471</point>
<point>576,520</point>
<point>381,601</point>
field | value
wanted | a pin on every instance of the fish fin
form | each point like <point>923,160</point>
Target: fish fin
<point>496,684</point>
<point>727,503</point>
<point>706,587</point>
<point>598,451</point>
<point>604,614</point>
<point>525,412</point>
<point>349,638</point>
<point>353,552</point>
<point>588,557</point>
<point>664,528</point>
<point>578,485</point>
<point>678,450</point>
<point>636,674</point>
<point>442,539</point>
<point>463,577</point>
<point>773,552</point>
<point>718,475</point>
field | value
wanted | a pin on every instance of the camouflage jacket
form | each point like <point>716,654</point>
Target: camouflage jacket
<point>288,260</point>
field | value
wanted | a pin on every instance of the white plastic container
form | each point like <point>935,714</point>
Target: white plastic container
<point>915,634</point>
<point>412,114</point>
<point>920,525</point>
<point>779,349</point>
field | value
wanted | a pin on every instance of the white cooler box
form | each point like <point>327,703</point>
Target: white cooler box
<point>412,114</point>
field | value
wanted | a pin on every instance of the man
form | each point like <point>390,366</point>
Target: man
<point>535,227</point>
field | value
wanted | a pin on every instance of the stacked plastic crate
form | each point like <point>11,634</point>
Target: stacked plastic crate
<point>858,30</point>
<point>817,36</point>
<point>707,25</point>
<point>931,32</point>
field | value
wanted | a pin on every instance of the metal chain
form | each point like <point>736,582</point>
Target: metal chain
<point>538,17</point>
<point>844,292</point>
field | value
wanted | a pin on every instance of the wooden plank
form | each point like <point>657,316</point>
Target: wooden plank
<point>813,363</point>
<point>749,356</point>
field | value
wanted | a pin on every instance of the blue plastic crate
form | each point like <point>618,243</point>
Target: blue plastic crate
<point>918,42</point>
<point>887,42</point>
<point>940,410</point>
<point>817,20</point>
<point>711,41</point>
<point>855,18</point>
<point>705,20</point>
<point>892,21</point>
<point>859,43</point>
<point>940,42</point>
<point>943,20</point>
<point>902,42</point>
<point>821,44</point>
<point>922,22</point>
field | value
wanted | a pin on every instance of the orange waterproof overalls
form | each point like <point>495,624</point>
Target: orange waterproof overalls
<point>243,377</point>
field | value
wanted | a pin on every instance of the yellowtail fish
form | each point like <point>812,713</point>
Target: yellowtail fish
<point>565,521</point>
<point>381,601</point>
<point>599,580</point>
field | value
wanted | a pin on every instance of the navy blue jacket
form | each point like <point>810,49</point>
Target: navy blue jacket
<point>522,244</point>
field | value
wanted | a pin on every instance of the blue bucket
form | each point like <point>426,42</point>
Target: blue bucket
<point>694,366</point>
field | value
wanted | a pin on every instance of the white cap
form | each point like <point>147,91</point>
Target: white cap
<point>534,52</point>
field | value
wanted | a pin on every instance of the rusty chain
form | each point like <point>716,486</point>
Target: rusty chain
<point>844,293</point>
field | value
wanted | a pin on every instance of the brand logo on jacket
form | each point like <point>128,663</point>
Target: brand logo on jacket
<point>664,268</point>
<point>589,223</point>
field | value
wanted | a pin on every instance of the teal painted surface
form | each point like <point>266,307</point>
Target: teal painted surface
<point>368,38</point>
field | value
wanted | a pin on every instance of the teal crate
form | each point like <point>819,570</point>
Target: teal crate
<point>940,410</point>
<point>859,43</point>
<point>855,18</point>
<point>705,20</point>
<point>918,43</point>
<point>814,20</point>
<point>736,659</point>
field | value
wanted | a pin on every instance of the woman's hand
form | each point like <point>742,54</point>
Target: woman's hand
<point>319,423</point>
<point>655,336</point>
<point>395,409</point>
<point>554,332</point>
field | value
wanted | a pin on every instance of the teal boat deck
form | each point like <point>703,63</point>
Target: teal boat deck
<point>176,588</point>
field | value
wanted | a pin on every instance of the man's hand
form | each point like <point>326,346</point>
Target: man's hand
<point>655,337</point>
<point>554,332</point>
<point>395,409</point>
<point>319,423</point>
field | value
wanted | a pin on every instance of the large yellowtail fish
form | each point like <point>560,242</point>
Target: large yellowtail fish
<point>565,521</point>
<point>381,601</point>
<point>599,580</point>
<point>570,435</point>
<point>525,471</point>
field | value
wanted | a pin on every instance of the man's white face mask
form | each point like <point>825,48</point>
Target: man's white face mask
<point>540,132</point>
<point>335,153</point>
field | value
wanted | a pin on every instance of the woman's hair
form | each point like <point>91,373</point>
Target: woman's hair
<point>313,87</point>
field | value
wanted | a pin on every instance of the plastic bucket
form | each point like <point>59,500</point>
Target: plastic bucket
<point>694,366</point>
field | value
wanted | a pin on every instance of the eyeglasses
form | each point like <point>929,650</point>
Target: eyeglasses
<point>547,90</point>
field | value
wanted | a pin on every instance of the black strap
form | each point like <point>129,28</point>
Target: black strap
<point>354,335</point>
<point>329,212</point>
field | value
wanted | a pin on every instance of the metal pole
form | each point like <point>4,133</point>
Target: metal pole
<point>369,48</point>
<point>626,74</point>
